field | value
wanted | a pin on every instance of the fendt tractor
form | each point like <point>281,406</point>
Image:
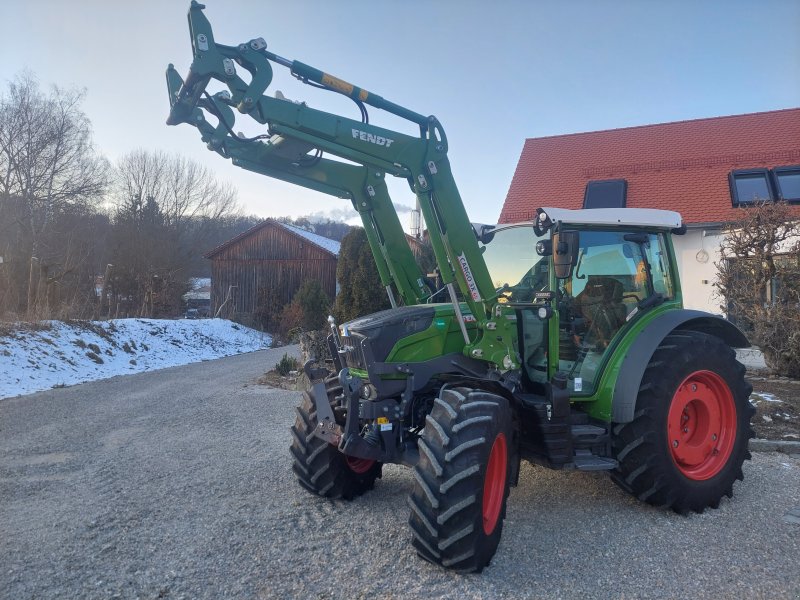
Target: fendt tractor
<point>562,341</point>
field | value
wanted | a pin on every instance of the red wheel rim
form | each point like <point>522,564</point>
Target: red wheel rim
<point>359,465</point>
<point>494,485</point>
<point>701,425</point>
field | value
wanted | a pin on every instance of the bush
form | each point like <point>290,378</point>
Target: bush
<point>777,333</point>
<point>269,304</point>
<point>287,364</point>
<point>759,281</point>
<point>314,304</point>
<point>290,322</point>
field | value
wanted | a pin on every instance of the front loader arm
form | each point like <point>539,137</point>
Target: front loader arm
<point>287,160</point>
<point>295,129</point>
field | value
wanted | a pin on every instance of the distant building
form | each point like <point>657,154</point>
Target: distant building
<point>704,169</point>
<point>270,256</point>
<point>199,295</point>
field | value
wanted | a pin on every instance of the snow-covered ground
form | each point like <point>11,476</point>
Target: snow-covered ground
<point>752,358</point>
<point>55,353</point>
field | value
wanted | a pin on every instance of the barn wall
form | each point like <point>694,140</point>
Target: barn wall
<point>264,259</point>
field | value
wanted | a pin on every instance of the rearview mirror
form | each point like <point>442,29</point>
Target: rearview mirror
<point>565,253</point>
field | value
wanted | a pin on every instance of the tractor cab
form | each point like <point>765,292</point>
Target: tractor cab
<point>577,283</point>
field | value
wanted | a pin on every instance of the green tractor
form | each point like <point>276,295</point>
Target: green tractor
<point>562,341</point>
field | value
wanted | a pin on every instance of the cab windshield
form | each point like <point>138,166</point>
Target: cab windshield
<point>512,261</point>
<point>518,272</point>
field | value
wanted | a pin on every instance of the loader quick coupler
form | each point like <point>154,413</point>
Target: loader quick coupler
<point>327,429</point>
<point>352,443</point>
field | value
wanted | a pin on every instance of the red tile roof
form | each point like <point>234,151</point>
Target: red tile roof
<point>680,166</point>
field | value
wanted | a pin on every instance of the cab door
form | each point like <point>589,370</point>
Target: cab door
<point>615,271</point>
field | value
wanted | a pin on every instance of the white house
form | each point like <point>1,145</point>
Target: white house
<point>706,169</point>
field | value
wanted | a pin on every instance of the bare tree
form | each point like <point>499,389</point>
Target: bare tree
<point>48,168</point>
<point>182,189</point>
<point>166,208</point>
<point>759,281</point>
<point>193,193</point>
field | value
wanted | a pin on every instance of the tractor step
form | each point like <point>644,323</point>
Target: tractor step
<point>584,460</point>
<point>578,417</point>
<point>588,434</point>
<point>568,441</point>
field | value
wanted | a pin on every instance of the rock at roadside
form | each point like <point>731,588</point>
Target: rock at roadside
<point>314,346</point>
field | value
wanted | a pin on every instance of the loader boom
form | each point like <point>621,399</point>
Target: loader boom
<point>293,150</point>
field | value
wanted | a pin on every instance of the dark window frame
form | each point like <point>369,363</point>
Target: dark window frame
<point>776,173</point>
<point>749,173</point>
<point>624,183</point>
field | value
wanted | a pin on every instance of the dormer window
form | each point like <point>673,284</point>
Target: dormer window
<point>787,182</point>
<point>607,193</point>
<point>750,186</point>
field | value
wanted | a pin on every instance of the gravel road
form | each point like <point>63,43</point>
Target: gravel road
<point>177,484</point>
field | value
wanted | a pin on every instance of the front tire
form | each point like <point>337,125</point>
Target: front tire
<point>688,439</point>
<point>319,466</point>
<point>461,482</point>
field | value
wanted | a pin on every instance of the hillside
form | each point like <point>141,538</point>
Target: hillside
<point>36,357</point>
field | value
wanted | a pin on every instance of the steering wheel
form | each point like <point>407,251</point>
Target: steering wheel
<point>516,293</point>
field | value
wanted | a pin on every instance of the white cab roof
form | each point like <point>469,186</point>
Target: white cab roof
<point>642,217</point>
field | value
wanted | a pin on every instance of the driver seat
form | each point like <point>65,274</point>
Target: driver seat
<point>601,304</point>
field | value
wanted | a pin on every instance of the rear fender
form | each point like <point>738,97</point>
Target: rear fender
<point>638,356</point>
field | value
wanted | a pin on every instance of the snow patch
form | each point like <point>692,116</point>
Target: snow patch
<point>56,354</point>
<point>196,283</point>
<point>331,246</point>
<point>757,397</point>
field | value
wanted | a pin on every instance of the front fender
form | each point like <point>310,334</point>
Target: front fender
<point>626,389</point>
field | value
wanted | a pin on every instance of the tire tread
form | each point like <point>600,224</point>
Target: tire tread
<point>646,469</point>
<point>446,516</point>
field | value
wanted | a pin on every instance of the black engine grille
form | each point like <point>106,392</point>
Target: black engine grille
<point>351,353</point>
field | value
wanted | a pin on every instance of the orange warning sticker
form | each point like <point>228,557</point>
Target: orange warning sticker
<point>337,84</point>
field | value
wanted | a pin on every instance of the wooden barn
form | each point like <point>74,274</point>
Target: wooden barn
<point>419,245</point>
<point>270,258</point>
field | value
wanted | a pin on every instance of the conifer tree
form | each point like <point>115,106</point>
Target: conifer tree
<point>360,292</point>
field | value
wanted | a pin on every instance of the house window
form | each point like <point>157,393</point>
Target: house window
<point>787,182</point>
<point>609,193</point>
<point>748,187</point>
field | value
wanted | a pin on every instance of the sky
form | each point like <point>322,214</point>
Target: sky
<point>494,73</point>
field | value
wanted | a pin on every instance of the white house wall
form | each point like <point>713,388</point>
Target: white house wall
<point>696,253</point>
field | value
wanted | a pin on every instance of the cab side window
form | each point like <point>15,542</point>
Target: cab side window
<point>609,280</point>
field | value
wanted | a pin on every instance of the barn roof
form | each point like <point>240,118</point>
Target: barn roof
<point>326,244</point>
<point>681,166</point>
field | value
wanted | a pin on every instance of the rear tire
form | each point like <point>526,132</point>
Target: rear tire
<point>461,481</point>
<point>319,466</point>
<point>688,439</point>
